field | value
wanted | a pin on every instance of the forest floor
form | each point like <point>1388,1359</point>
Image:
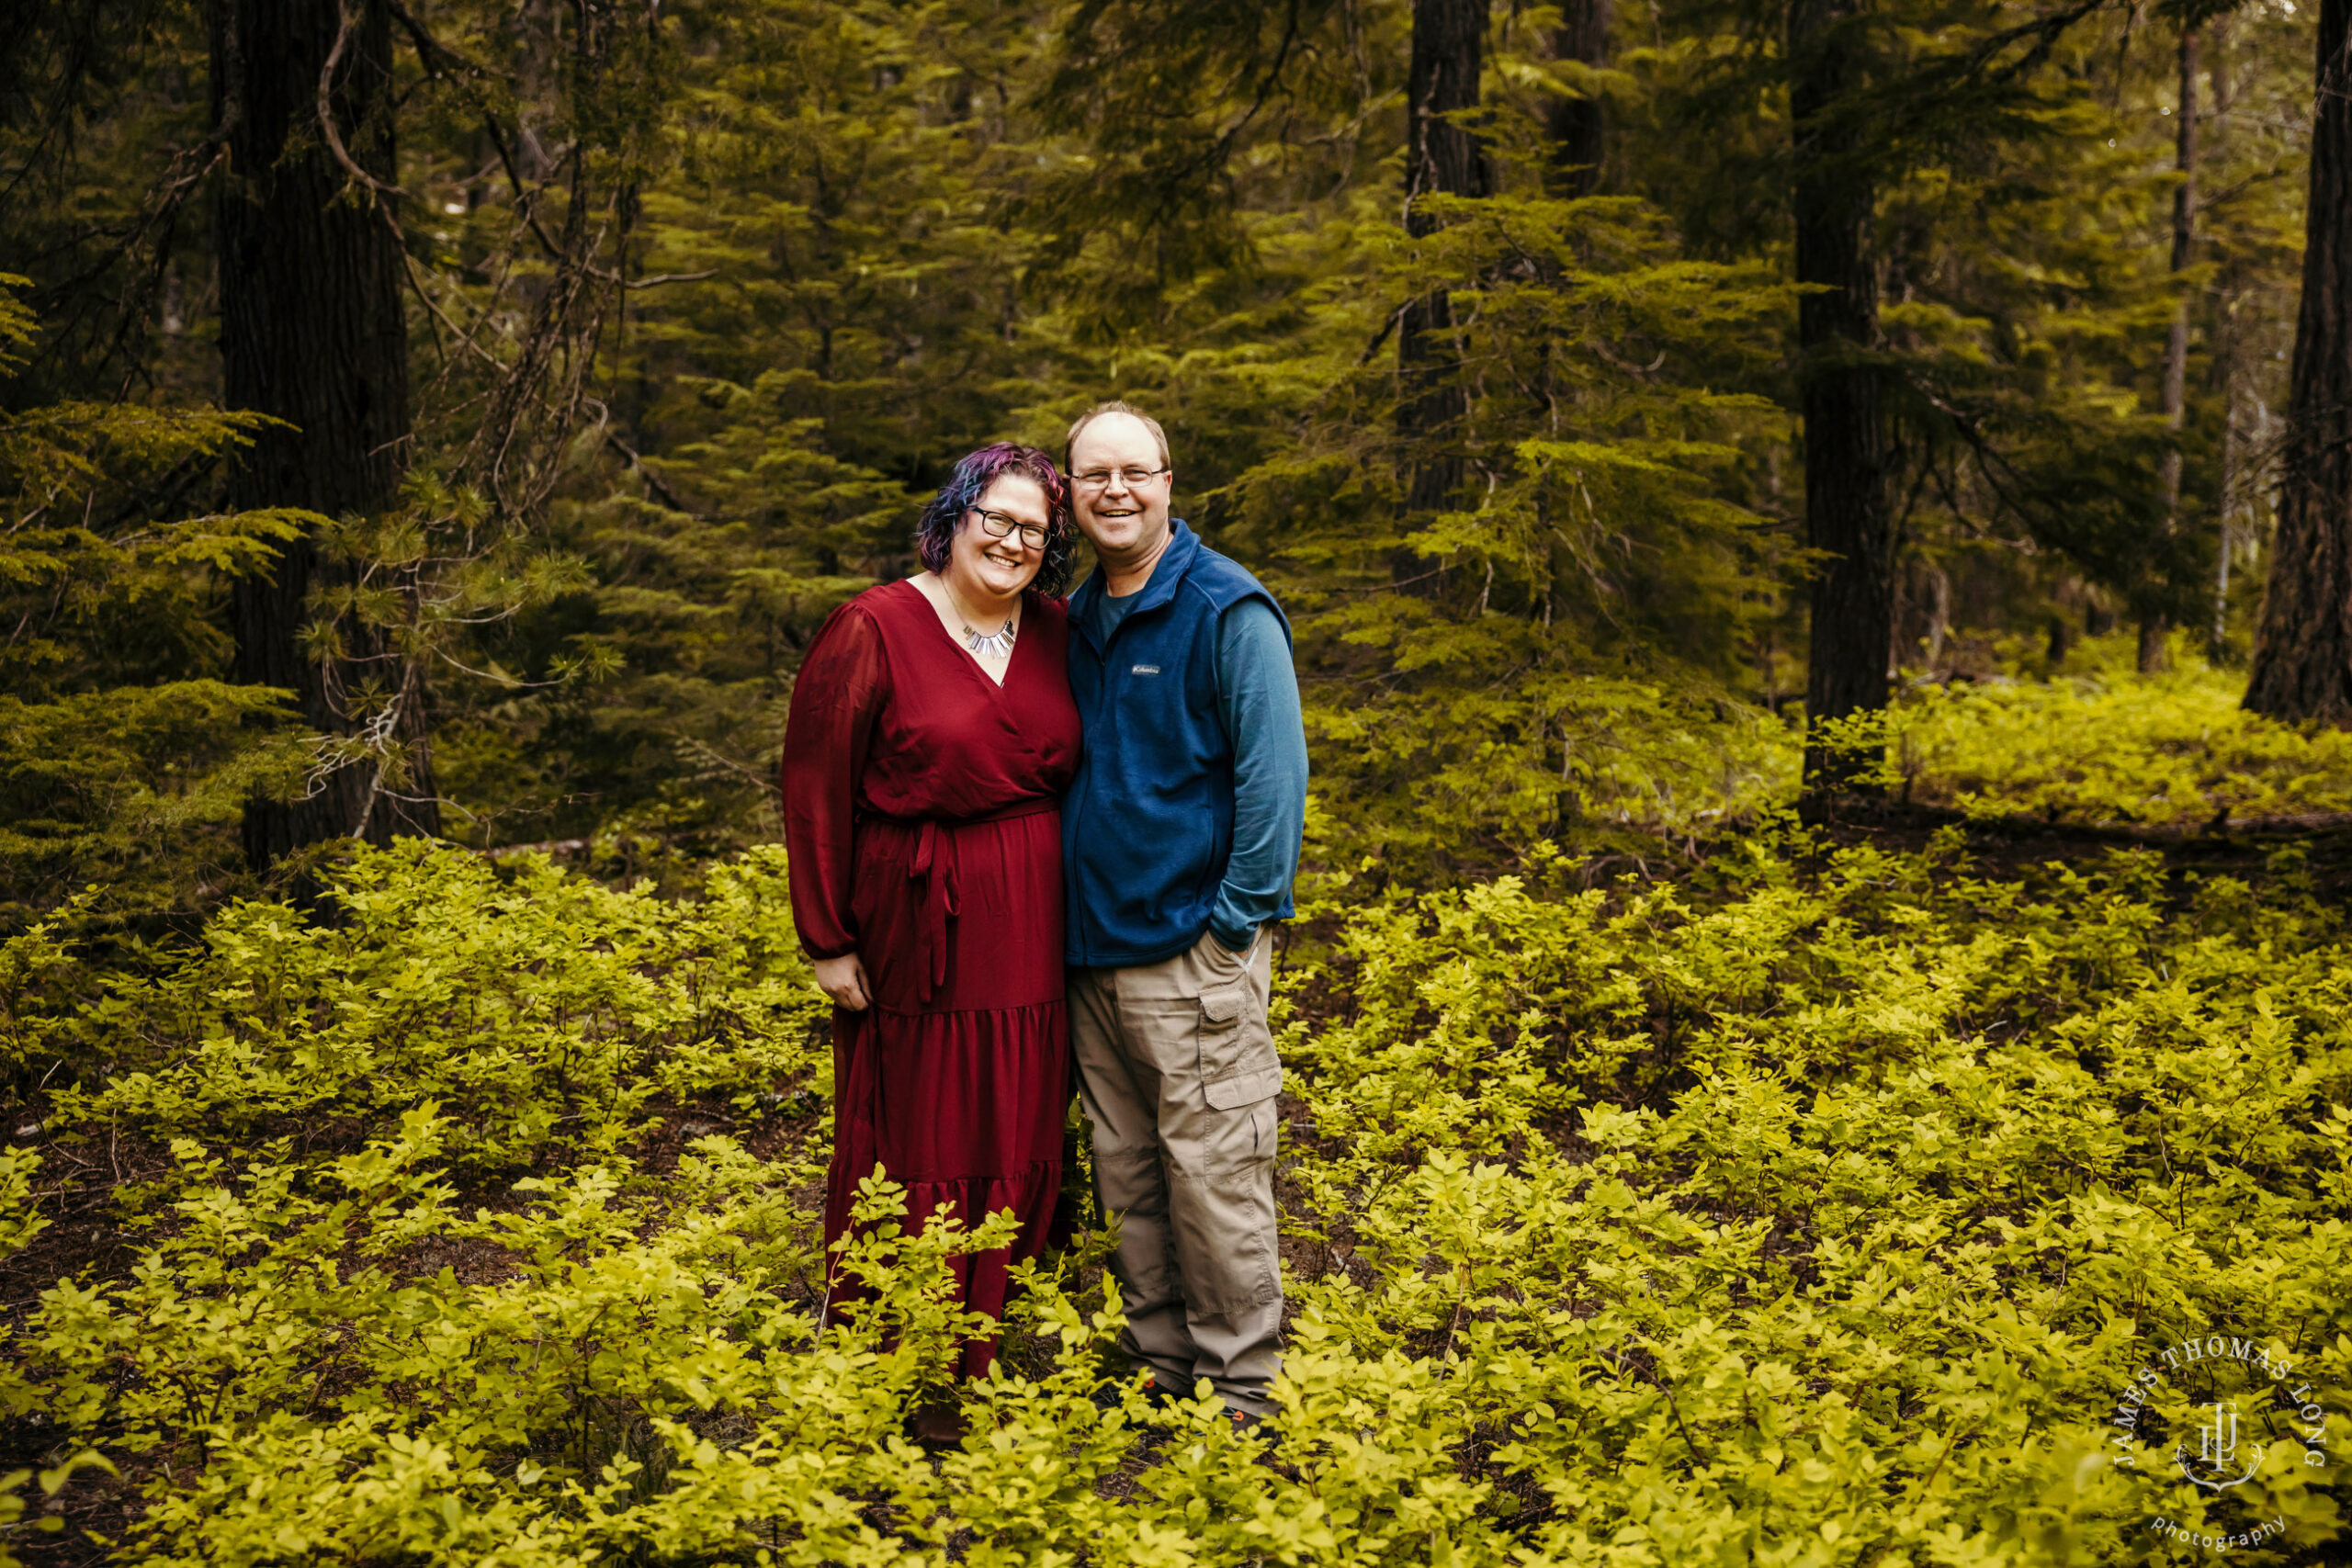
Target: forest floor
<point>2232,847</point>
<point>96,1232</point>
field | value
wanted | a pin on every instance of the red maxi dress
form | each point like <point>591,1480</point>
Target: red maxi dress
<point>922,823</point>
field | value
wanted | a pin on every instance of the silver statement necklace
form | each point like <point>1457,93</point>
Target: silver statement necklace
<point>997,644</point>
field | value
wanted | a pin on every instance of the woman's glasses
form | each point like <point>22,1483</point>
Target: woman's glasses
<point>997,525</point>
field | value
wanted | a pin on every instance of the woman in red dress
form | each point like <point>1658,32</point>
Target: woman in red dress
<point>931,733</point>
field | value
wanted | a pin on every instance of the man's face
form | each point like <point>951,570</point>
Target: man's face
<point>1125,514</point>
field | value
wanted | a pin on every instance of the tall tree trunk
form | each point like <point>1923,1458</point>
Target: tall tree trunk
<point>2172,397</point>
<point>1578,124</point>
<point>2302,655</point>
<point>1846,511</point>
<point>1578,128</point>
<point>312,333</point>
<point>2225,343</point>
<point>2217,640</point>
<point>1449,38</point>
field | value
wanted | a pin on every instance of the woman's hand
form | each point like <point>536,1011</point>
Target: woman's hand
<point>844,979</point>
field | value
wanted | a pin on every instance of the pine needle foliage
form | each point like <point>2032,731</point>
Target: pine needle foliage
<point>125,755</point>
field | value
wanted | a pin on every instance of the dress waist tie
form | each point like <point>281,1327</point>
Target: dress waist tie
<point>934,865</point>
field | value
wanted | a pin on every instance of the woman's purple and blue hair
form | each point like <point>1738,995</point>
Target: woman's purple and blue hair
<point>936,529</point>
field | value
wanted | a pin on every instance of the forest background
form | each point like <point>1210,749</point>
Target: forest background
<point>642,334</point>
<point>1817,536</point>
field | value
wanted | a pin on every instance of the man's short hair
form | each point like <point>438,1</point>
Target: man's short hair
<point>1069,442</point>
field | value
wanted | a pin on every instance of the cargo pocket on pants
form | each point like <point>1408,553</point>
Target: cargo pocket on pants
<point>1239,1066</point>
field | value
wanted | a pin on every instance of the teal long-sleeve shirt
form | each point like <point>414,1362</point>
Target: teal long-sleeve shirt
<point>1258,708</point>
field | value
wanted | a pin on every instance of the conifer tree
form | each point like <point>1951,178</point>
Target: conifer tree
<point>1848,513</point>
<point>1442,155</point>
<point>2173,397</point>
<point>854,240</point>
<point>1577,123</point>
<point>2302,661</point>
<point>312,334</point>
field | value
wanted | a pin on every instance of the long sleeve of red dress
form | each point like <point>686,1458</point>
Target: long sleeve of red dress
<point>920,812</point>
<point>842,686</point>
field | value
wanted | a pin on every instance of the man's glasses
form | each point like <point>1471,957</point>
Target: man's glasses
<point>1100,478</point>
<point>997,525</point>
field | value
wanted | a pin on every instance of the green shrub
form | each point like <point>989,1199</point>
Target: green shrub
<point>542,1012</point>
<point>1886,1181</point>
<point>1815,1211</point>
<point>125,755</point>
<point>2113,748</point>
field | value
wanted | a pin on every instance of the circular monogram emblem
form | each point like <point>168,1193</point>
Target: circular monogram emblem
<point>2204,1417</point>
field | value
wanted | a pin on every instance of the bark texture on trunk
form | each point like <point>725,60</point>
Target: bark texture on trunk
<point>1579,125</point>
<point>1449,41</point>
<point>1847,452</point>
<point>2173,396</point>
<point>2302,657</point>
<point>312,333</point>
<point>1578,128</point>
<point>2224,338</point>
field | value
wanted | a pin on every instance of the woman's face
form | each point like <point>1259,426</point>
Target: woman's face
<point>1000,568</point>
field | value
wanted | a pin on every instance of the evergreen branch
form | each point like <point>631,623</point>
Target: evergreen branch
<point>1387,327</point>
<point>661,277</point>
<point>653,481</point>
<point>161,211</point>
<point>509,682</point>
<point>439,59</point>
<point>2044,30</point>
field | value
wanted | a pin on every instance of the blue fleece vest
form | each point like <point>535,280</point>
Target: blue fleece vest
<point>1147,823</point>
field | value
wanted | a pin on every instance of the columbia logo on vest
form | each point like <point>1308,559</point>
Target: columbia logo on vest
<point>1145,669</point>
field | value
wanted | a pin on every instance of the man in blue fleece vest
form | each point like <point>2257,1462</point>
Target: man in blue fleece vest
<point>1180,838</point>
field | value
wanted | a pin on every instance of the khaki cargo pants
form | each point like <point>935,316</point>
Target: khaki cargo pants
<point>1177,1072</point>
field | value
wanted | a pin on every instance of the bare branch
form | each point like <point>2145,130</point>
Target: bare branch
<point>348,21</point>
<point>653,481</point>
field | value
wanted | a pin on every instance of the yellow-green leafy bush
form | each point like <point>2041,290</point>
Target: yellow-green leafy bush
<point>1811,1212</point>
<point>2114,748</point>
<point>2101,747</point>
<point>542,1011</point>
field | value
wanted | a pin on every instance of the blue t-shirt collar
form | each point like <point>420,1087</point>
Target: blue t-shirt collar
<point>1166,573</point>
